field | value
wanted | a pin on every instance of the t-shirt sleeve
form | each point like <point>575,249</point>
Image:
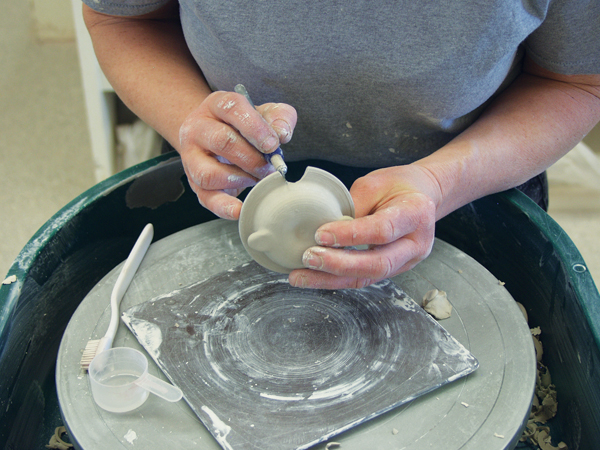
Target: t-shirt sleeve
<point>568,40</point>
<point>125,7</point>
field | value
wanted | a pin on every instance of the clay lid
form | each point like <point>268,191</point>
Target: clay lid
<point>279,219</point>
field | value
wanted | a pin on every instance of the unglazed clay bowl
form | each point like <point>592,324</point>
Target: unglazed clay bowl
<point>278,219</point>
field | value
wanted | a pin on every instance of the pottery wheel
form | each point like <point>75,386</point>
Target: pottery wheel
<point>484,410</point>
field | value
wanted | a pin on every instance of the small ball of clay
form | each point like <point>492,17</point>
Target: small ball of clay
<point>436,303</point>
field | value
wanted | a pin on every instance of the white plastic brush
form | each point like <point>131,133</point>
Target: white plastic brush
<point>131,265</point>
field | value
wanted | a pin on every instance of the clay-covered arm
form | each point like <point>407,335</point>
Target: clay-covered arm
<point>538,119</point>
<point>147,61</point>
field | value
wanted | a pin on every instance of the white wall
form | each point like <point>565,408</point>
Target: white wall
<point>52,20</point>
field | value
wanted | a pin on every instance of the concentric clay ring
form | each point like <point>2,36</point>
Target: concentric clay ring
<point>278,219</point>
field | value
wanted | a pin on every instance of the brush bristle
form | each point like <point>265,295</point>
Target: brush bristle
<point>89,352</point>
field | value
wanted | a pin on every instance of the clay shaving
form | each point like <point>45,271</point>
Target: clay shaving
<point>56,441</point>
<point>545,402</point>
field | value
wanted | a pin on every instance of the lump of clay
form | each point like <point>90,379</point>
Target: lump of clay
<point>436,303</point>
<point>278,219</point>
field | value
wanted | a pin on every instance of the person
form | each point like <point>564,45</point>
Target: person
<point>442,102</point>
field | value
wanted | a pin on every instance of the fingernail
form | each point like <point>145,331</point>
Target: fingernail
<point>270,143</point>
<point>299,281</point>
<point>311,260</point>
<point>226,212</point>
<point>283,130</point>
<point>326,238</point>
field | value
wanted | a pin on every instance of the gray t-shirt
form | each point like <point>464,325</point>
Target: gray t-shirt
<point>379,83</point>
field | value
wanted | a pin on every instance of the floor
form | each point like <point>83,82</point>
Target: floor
<point>44,143</point>
<point>46,156</point>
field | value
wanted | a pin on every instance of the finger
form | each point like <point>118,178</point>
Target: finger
<point>207,173</point>
<point>222,141</point>
<point>281,117</point>
<point>235,110</point>
<point>309,279</point>
<point>376,263</point>
<point>383,227</point>
<point>223,204</point>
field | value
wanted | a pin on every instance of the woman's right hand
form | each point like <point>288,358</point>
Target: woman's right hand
<point>222,144</point>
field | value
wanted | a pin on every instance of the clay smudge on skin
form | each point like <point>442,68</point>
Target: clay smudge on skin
<point>232,136</point>
<point>197,176</point>
<point>284,134</point>
<point>243,117</point>
<point>223,160</point>
<point>226,211</point>
<point>265,170</point>
<point>226,105</point>
<point>184,132</point>
<point>240,181</point>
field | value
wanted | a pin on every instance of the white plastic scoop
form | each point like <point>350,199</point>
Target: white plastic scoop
<point>120,381</point>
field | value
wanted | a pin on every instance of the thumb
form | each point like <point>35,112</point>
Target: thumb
<point>281,117</point>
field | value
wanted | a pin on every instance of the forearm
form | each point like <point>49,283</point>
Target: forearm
<point>524,131</point>
<point>150,67</point>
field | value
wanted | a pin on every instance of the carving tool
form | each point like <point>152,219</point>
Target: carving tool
<point>131,265</point>
<point>275,158</point>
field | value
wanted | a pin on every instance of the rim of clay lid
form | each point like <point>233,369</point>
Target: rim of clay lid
<point>274,185</point>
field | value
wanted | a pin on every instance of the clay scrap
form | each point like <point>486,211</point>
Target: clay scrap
<point>436,303</point>
<point>9,280</point>
<point>545,403</point>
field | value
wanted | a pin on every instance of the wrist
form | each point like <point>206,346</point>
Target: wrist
<point>453,176</point>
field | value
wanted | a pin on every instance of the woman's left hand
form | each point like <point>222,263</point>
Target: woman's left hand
<point>395,216</point>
